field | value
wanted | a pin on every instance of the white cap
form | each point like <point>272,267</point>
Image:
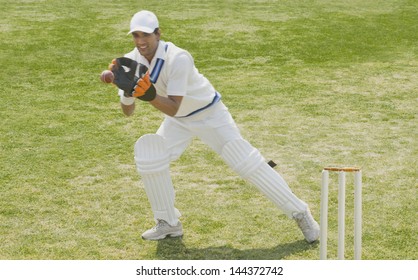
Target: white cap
<point>144,21</point>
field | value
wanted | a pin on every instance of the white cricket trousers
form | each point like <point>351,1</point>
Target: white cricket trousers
<point>216,128</point>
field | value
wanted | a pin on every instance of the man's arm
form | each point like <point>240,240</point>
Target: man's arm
<point>128,110</point>
<point>176,86</point>
<point>168,105</point>
<point>126,103</point>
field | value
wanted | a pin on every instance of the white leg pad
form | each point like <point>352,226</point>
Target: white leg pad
<point>247,161</point>
<point>153,163</point>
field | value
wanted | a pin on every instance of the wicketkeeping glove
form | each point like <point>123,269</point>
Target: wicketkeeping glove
<point>124,70</point>
<point>144,89</point>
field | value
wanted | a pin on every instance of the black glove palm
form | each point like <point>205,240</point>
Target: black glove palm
<point>124,70</point>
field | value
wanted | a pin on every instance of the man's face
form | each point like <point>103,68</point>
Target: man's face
<point>146,43</point>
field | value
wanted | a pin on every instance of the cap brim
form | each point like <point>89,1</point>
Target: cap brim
<point>141,29</point>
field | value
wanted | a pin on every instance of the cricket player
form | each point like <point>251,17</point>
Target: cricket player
<point>164,75</point>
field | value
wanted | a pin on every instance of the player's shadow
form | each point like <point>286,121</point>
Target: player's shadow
<point>174,249</point>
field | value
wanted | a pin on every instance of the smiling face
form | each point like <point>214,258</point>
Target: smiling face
<point>147,43</point>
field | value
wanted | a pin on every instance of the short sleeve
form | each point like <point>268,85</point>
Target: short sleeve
<point>179,75</point>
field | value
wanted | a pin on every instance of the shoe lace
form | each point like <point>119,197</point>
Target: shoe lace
<point>160,224</point>
<point>304,222</point>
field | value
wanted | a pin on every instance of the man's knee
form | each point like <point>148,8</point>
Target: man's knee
<point>242,157</point>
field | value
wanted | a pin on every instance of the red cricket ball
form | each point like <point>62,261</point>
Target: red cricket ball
<point>107,76</point>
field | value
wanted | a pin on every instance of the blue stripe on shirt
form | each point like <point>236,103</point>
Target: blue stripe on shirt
<point>215,100</point>
<point>157,70</point>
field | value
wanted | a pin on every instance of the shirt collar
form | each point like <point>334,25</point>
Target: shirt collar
<point>160,53</point>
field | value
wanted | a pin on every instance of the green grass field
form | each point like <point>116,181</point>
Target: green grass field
<point>310,83</point>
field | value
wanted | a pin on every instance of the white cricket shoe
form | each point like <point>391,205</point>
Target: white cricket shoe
<point>307,225</point>
<point>161,230</point>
